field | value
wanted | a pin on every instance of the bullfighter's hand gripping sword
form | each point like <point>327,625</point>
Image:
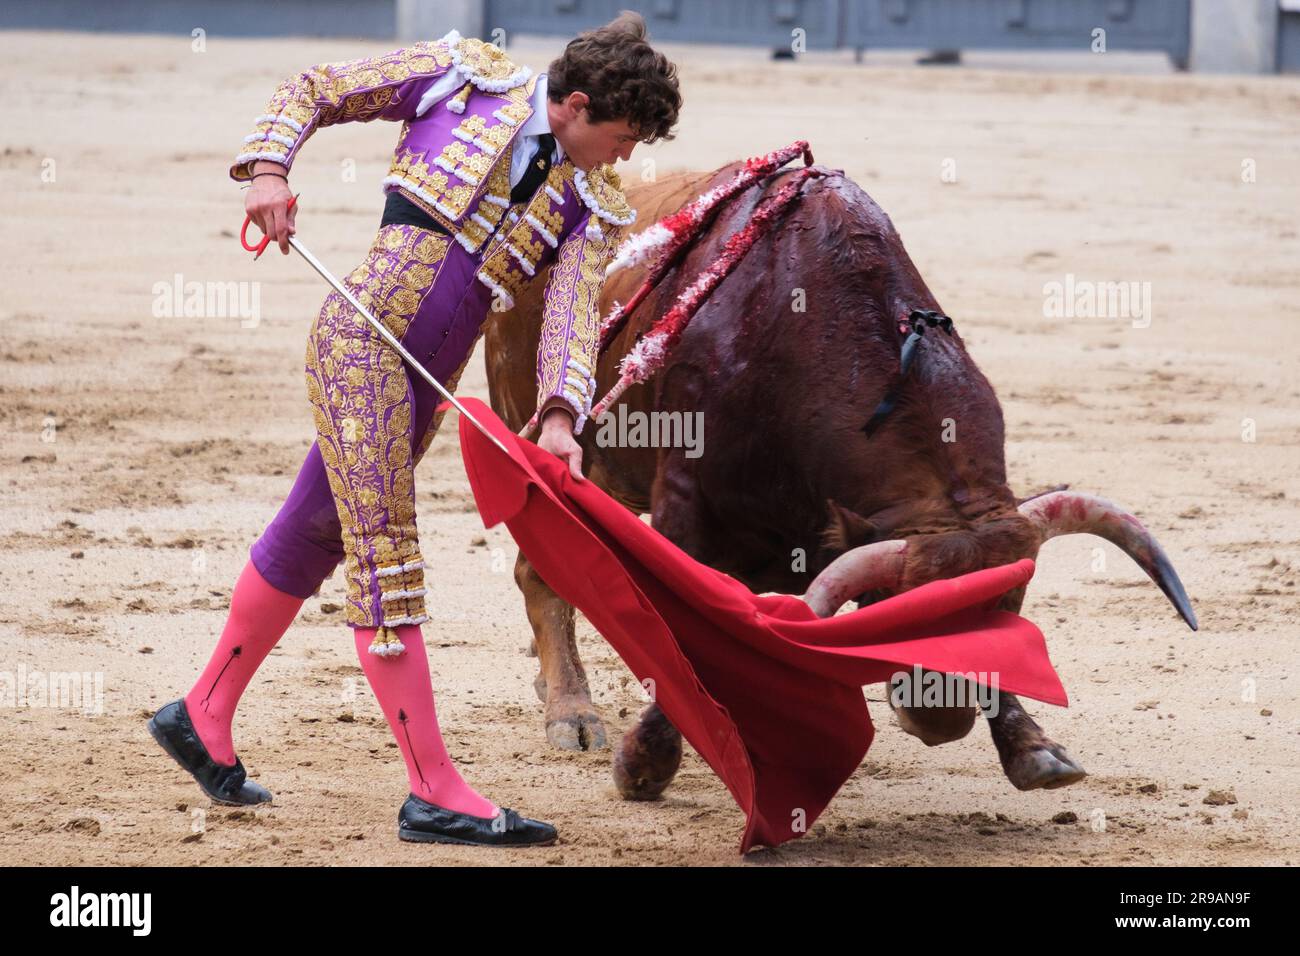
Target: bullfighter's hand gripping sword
<point>362,310</point>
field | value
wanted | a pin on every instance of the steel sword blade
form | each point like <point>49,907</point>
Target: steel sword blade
<point>390,338</point>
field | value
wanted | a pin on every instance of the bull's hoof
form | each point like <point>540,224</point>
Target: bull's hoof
<point>647,760</point>
<point>644,776</point>
<point>575,726</point>
<point>1043,768</point>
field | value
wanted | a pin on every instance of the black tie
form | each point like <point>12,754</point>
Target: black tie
<point>537,169</point>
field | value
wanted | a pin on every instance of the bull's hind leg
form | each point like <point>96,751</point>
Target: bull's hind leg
<point>1030,759</point>
<point>571,721</point>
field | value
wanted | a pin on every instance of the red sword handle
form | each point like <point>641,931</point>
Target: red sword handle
<point>266,240</point>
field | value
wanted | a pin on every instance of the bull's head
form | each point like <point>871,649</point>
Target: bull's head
<point>909,560</point>
<point>892,553</point>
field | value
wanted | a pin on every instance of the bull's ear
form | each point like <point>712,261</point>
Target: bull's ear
<point>845,529</point>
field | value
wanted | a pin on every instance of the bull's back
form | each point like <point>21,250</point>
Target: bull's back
<point>784,365</point>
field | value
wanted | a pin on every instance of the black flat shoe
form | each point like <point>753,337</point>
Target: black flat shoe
<point>422,822</point>
<point>175,733</point>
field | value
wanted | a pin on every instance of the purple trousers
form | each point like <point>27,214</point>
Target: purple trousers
<point>354,497</point>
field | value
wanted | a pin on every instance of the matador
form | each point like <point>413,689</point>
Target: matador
<point>498,172</point>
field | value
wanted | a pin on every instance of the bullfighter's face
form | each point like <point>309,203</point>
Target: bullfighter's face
<point>586,143</point>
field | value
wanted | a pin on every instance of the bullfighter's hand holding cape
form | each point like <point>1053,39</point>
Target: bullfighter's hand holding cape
<point>766,692</point>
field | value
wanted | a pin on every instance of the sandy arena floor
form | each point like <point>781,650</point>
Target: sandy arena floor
<point>142,454</point>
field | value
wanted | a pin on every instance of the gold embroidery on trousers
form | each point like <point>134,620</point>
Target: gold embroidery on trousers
<point>360,394</point>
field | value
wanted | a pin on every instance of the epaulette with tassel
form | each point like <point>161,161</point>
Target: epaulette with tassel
<point>483,65</point>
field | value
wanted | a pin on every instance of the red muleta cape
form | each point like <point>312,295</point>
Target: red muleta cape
<point>766,692</point>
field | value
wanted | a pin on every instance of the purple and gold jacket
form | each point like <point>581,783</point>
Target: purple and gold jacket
<point>453,161</point>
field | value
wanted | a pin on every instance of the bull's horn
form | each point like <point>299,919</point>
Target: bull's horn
<point>865,568</point>
<point>1071,512</point>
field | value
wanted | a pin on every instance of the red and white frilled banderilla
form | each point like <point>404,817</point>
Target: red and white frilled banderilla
<point>667,242</point>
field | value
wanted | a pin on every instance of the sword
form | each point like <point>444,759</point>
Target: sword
<point>375,323</point>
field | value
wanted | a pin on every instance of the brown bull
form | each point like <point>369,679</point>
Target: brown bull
<point>790,494</point>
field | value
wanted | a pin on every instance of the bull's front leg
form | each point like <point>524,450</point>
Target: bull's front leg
<point>1030,759</point>
<point>648,758</point>
<point>572,722</point>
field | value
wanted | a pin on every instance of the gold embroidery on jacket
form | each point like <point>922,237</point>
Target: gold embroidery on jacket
<point>502,270</point>
<point>602,191</point>
<point>491,207</point>
<point>485,62</point>
<point>348,91</point>
<point>464,157</point>
<point>567,350</point>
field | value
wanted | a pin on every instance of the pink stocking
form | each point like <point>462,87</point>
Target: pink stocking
<point>259,616</point>
<point>405,693</point>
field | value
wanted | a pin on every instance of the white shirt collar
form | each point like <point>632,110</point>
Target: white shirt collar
<point>540,122</point>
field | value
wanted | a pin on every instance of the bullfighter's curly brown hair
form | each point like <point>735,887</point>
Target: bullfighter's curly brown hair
<point>622,75</point>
